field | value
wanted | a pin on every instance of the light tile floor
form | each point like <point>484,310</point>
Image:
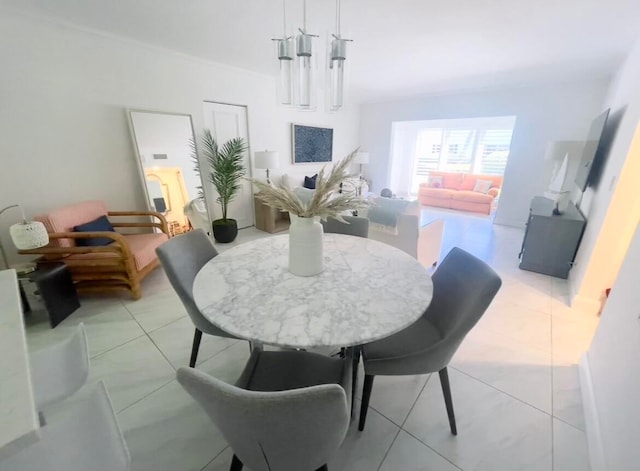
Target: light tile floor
<point>514,380</point>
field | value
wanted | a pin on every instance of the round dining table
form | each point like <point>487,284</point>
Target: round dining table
<point>368,290</point>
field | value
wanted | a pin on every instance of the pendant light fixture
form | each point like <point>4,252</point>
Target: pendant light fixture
<point>284,51</point>
<point>305,65</point>
<point>297,60</point>
<point>337,56</point>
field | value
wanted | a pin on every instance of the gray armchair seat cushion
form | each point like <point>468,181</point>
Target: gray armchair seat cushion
<point>417,337</point>
<point>284,370</point>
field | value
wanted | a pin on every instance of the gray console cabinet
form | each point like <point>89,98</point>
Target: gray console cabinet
<point>551,241</point>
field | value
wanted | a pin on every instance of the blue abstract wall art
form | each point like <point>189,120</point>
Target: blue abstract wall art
<point>311,144</point>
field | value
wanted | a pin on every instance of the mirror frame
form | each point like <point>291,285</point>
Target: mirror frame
<point>130,112</point>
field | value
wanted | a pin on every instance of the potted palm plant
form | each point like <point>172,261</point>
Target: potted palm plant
<point>227,171</point>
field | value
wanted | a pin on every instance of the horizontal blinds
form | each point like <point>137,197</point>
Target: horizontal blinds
<point>428,149</point>
<point>457,155</point>
<point>493,151</point>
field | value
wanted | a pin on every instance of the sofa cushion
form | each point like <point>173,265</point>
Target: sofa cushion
<point>66,218</point>
<point>482,186</point>
<point>436,192</point>
<point>143,247</point>
<point>469,181</point>
<point>435,181</point>
<point>101,224</point>
<point>450,180</point>
<point>310,182</point>
<point>472,197</point>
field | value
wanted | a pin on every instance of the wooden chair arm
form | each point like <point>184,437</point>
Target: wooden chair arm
<point>162,225</point>
<point>119,246</point>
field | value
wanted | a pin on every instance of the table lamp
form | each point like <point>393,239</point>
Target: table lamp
<point>25,235</point>
<point>267,159</point>
<point>564,154</point>
<point>361,158</point>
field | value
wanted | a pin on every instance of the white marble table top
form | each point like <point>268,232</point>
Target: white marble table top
<point>367,291</point>
<point>19,424</point>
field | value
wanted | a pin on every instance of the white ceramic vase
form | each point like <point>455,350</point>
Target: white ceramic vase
<point>305,246</point>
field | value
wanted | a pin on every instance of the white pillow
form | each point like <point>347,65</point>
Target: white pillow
<point>286,181</point>
<point>482,186</point>
<point>303,194</point>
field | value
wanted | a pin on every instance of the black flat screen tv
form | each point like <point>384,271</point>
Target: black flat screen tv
<point>593,151</point>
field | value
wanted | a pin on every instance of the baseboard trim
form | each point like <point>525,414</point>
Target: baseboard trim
<point>509,222</point>
<point>592,422</point>
<point>589,305</point>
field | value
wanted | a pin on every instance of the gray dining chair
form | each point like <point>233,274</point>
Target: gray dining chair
<point>182,257</point>
<point>463,288</point>
<point>357,226</point>
<point>60,370</point>
<point>289,410</point>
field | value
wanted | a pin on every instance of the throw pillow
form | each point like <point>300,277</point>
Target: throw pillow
<point>286,181</point>
<point>482,186</point>
<point>303,194</point>
<point>310,182</point>
<point>101,224</point>
<point>435,182</point>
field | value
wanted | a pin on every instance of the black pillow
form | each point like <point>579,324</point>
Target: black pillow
<point>101,224</point>
<point>310,182</point>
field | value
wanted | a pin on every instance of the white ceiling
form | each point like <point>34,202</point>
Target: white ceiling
<point>400,48</point>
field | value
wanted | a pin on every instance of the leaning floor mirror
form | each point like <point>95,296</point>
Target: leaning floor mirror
<point>169,170</point>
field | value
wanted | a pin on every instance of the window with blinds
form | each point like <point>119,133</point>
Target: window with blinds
<point>480,149</point>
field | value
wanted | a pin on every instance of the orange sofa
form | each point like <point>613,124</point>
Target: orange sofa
<point>457,192</point>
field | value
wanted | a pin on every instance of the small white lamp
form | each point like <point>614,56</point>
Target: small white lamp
<point>361,158</point>
<point>267,159</point>
<point>564,154</point>
<point>26,235</point>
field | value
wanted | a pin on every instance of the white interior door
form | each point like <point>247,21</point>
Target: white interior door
<point>227,122</point>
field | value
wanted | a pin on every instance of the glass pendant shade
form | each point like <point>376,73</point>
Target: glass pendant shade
<point>285,82</point>
<point>336,73</point>
<point>305,72</point>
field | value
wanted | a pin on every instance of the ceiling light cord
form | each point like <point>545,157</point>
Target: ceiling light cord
<point>338,18</point>
<point>304,16</point>
<point>284,18</point>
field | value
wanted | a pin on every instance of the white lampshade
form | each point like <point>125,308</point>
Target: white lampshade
<point>267,159</point>
<point>29,235</point>
<point>361,158</point>
<point>557,150</point>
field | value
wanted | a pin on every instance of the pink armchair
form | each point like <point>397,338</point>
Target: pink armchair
<point>122,264</point>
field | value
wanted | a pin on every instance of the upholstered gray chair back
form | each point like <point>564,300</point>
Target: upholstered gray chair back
<point>463,288</point>
<point>357,226</point>
<point>293,430</point>
<point>182,257</point>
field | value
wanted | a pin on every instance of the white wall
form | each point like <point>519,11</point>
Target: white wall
<point>613,207</point>
<point>545,113</point>
<point>65,136</point>
<point>610,251</point>
<point>612,361</point>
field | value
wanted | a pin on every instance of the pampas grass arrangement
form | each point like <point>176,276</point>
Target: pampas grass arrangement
<point>326,201</point>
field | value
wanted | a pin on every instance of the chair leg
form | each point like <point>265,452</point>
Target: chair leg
<point>236,464</point>
<point>196,346</point>
<point>355,352</point>
<point>366,395</point>
<point>446,391</point>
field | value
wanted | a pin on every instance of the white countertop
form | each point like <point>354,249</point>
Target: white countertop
<point>367,291</point>
<point>19,424</point>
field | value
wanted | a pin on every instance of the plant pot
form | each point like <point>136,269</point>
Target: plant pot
<point>225,230</point>
<point>305,246</point>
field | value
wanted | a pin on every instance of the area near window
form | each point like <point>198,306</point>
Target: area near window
<point>474,145</point>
